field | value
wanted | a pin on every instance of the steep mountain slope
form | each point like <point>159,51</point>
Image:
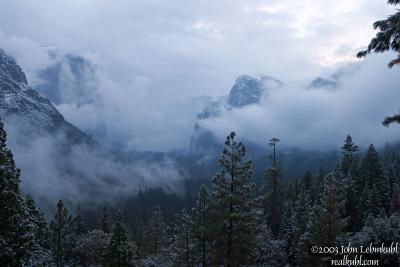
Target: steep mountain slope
<point>27,109</point>
<point>71,79</point>
<point>57,160</point>
<point>246,91</point>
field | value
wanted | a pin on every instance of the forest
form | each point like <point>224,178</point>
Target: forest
<point>346,215</point>
<point>233,223</point>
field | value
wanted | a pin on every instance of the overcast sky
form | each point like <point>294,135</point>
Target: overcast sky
<point>172,50</point>
<point>195,47</point>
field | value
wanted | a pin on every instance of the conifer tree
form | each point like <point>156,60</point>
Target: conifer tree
<point>317,186</point>
<point>184,242</point>
<point>371,172</point>
<point>201,232</point>
<point>156,236</point>
<point>349,159</point>
<point>307,180</point>
<point>387,36</point>
<point>120,250</point>
<point>61,230</point>
<point>297,188</point>
<point>139,237</point>
<point>351,183</point>
<point>41,253</point>
<point>328,222</point>
<point>301,219</point>
<point>16,237</point>
<point>394,171</point>
<point>78,224</point>
<point>395,202</point>
<point>77,230</point>
<point>106,222</point>
<point>173,231</point>
<point>273,198</point>
<point>303,255</point>
<point>286,234</point>
<point>232,207</point>
<point>373,202</point>
<point>92,247</point>
<point>301,214</point>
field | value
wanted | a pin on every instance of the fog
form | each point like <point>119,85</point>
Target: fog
<point>154,60</point>
<point>157,64</point>
<point>53,168</point>
<point>320,118</point>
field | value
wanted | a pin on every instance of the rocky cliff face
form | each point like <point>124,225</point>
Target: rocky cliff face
<point>25,107</point>
<point>246,91</point>
<point>70,79</point>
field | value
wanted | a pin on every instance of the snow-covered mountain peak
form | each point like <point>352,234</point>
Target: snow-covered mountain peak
<point>9,67</point>
<point>248,90</point>
<point>72,79</point>
<point>21,104</point>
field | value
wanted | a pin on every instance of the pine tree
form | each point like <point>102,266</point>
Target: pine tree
<point>380,230</point>
<point>92,247</point>
<point>386,39</point>
<point>395,202</point>
<point>328,222</point>
<point>394,171</point>
<point>106,222</point>
<point>301,218</point>
<point>201,228</point>
<point>120,250</point>
<point>317,185</point>
<point>139,237</point>
<point>232,206</point>
<point>307,180</point>
<point>77,230</point>
<point>286,234</point>
<point>373,202</point>
<point>349,150</point>
<point>273,200</point>
<point>41,253</point>
<point>303,255</point>
<point>387,36</point>
<point>273,197</point>
<point>184,245</point>
<point>78,224</point>
<point>61,230</point>
<point>352,184</point>
<point>16,237</point>
<point>301,214</point>
<point>371,172</point>
<point>156,236</point>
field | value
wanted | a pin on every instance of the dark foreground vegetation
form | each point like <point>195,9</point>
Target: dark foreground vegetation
<point>233,223</point>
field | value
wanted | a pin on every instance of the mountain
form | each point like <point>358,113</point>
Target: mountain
<point>320,82</point>
<point>26,108</point>
<point>70,79</point>
<point>333,81</point>
<point>246,91</point>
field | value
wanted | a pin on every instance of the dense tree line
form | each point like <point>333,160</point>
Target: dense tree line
<point>232,223</point>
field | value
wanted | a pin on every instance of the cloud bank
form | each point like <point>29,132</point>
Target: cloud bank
<point>320,118</point>
<point>156,56</point>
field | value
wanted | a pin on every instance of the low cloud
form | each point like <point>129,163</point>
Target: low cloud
<point>52,169</point>
<point>319,118</point>
<point>157,55</point>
